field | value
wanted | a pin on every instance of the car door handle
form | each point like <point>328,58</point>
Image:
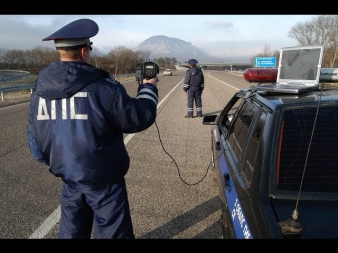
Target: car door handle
<point>226,181</point>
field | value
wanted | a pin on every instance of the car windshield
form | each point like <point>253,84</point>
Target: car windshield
<point>314,170</point>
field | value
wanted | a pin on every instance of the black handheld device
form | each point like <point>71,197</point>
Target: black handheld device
<point>148,70</point>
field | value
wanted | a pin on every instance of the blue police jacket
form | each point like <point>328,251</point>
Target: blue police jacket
<point>76,120</point>
<point>194,79</point>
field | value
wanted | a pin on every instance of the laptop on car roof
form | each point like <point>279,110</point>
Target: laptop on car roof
<point>298,70</point>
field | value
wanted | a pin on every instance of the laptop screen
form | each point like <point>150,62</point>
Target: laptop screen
<point>300,65</point>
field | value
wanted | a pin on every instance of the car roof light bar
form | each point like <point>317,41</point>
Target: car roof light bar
<point>268,75</point>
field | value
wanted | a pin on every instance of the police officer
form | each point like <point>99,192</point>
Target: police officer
<point>193,86</point>
<point>76,120</point>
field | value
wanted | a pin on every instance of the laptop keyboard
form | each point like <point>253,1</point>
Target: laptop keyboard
<point>290,86</point>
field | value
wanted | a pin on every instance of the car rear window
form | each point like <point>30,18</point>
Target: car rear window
<point>314,170</point>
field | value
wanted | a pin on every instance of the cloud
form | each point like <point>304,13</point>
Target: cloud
<point>220,25</point>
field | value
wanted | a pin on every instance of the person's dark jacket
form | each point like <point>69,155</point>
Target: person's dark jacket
<point>194,79</point>
<point>77,117</point>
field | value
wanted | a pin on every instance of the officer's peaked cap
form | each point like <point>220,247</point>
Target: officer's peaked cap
<point>75,34</point>
<point>192,62</point>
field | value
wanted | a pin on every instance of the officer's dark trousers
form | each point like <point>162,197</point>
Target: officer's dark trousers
<point>105,210</point>
<point>194,96</point>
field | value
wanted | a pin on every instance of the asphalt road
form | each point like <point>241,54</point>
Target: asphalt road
<point>171,184</point>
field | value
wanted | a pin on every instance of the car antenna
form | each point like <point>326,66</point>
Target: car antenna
<point>293,227</point>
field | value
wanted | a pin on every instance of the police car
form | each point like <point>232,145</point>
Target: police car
<point>275,158</point>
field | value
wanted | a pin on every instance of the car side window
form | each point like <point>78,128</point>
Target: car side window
<point>226,118</point>
<point>227,115</point>
<point>252,150</point>
<point>230,113</point>
<point>239,131</point>
<point>242,153</point>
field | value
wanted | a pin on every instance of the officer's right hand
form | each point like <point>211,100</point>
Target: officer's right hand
<point>151,81</point>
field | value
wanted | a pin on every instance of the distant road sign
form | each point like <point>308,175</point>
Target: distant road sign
<point>265,62</point>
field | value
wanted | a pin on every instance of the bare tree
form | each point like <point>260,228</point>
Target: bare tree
<point>161,62</point>
<point>114,58</point>
<point>166,62</point>
<point>123,59</point>
<point>40,57</point>
<point>15,59</point>
<point>2,60</point>
<point>142,55</point>
<point>320,30</point>
<point>95,57</point>
<point>276,54</point>
<point>266,51</point>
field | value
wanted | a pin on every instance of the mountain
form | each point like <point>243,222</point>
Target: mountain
<point>163,46</point>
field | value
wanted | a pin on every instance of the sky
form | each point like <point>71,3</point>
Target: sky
<point>223,36</point>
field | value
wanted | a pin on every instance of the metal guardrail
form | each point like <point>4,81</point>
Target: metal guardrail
<point>31,87</point>
<point>124,77</point>
<point>16,88</point>
<point>12,75</point>
<point>13,78</point>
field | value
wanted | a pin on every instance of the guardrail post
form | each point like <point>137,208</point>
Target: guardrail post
<point>2,96</point>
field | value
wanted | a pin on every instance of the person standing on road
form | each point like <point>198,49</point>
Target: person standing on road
<point>193,86</point>
<point>76,121</point>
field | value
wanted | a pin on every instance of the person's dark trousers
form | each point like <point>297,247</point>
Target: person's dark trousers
<point>198,101</point>
<point>110,219</point>
<point>194,96</point>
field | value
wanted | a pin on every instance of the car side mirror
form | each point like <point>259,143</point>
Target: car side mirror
<point>209,120</point>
